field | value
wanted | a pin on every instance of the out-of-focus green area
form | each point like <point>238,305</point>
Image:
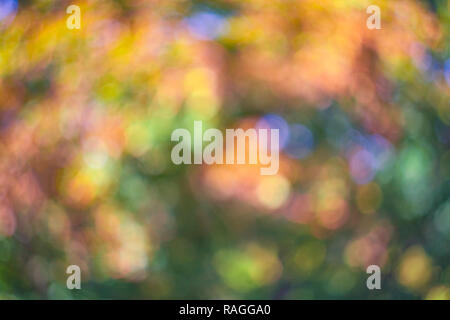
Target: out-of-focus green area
<point>86,176</point>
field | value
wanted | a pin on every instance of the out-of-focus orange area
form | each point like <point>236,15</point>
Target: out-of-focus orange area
<point>86,176</point>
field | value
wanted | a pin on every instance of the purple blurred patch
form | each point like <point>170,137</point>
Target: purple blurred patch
<point>381,150</point>
<point>362,166</point>
<point>447,71</point>
<point>367,154</point>
<point>206,25</point>
<point>301,141</point>
<point>8,9</point>
<point>274,121</point>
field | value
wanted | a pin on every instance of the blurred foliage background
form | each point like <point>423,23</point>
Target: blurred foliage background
<point>86,176</point>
